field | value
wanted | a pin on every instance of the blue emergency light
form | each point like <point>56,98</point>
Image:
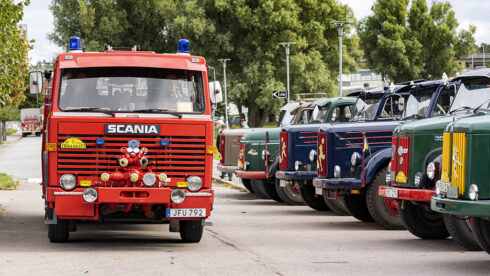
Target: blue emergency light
<point>164,143</point>
<point>99,141</point>
<point>183,46</point>
<point>75,43</point>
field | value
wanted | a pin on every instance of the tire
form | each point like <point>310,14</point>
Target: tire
<point>259,188</point>
<point>336,205</point>
<point>59,232</point>
<point>24,134</point>
<point>481,231</point>
<point>191,230</point>
<point>311,199</point>
<point>423,223</point>
<point>270,188</point>
<point>38,134</point>
<point>247,185</point>
<point>384,210</point>
<point>356,204</point>
<point>460,230</point>
<point>288,194</point>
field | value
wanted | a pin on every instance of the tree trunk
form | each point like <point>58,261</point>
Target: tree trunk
<point>3,131</point>
<point>257,116</point>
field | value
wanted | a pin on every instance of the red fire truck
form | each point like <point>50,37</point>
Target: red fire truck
<point>127,135</point>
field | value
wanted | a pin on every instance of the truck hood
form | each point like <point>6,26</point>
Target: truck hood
<point>432,126</point>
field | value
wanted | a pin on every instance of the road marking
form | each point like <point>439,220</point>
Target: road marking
<point>34,180</point>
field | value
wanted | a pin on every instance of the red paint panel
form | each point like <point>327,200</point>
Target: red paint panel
<point>283,151</point>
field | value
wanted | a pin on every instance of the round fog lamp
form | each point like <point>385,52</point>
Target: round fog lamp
<point>123,162</point>
<point>336,171</point>
<point>68,182</point>
<point>194,183</point>
<point>149,179</point>
<point>297,165</point>
<point>473,192</point>
<point>177,196</point>
<point>162,177</point>
<point>312,155</point>
<point>431,170</point>
<point>105,177</point>
<point>90,195</point>
<point>133,177</point>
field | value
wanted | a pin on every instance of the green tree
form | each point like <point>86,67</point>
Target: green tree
<point>247,32</point>
<point>403,43</point>
<point>13,52</point>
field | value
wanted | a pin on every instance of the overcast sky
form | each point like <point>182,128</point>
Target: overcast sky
<point>39,22</point>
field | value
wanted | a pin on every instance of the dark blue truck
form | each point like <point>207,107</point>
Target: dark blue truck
<point>353,158</point>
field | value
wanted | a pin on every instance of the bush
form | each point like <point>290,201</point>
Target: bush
<point>11,131</point>
<point>6,182</point>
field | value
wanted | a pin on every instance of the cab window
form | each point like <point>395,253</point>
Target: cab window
<point>341,113</point>
<point>393,106</point>
<point>444,102</point>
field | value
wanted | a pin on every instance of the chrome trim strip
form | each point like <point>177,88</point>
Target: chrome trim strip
<point>67,193</point>
<point>129,115</point>
<point>198,194</point>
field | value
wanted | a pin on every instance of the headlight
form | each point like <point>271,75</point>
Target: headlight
<point>149,179</point>
<point>68,182</point>
<point>312,155</point>
<point>123,162</point>
<point>194,183</point>
<point>431,170</point>
<point>263,154</point>
<point>297,165</point>
<point>162,177</point>
<point>473,192</point>
<point>336,171</point>
<point>90,195</point>
<point>354,157</point>
<point>177,196</point>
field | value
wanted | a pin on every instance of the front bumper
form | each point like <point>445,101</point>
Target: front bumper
<point>226,169</point>
<point>71,205</point>
<point>406,194</point>
<point>250,174</point>
<point>478,208</point>
<point>295,175</point>
<point>337,183</point>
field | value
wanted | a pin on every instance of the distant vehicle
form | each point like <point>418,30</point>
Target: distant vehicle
<point>31,121</point>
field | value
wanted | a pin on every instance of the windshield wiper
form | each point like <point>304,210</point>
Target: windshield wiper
<point>487,101</point>
<point>100,109</point>
<point>158,110</point>
<point>460,108</point>
<point>413,116</point>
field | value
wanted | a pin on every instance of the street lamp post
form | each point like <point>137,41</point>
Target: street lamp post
<point>224,60</point>
<point>286,45</point>
<point>340,28</point>
<point>483,50</point>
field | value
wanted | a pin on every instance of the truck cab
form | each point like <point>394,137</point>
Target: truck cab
<point>31,121</point>
<point>128,135</point>
<point>412,181</point>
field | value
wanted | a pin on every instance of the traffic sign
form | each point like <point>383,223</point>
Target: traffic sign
<point>280,94</point>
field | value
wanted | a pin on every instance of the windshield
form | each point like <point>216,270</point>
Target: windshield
<point>31,121</point>
<point>418,102</point>
<point>365,109</point>
<point>319,113</point>
<point>130,89</point>
<point>471,94</point>
<point>286,117</point>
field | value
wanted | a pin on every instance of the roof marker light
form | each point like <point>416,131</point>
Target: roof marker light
<point>75,44</point>
<point>183,47</point>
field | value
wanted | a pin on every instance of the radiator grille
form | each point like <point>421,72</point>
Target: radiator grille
<point>446,156</point>
<point>458,158</point>
<point>183,155</point>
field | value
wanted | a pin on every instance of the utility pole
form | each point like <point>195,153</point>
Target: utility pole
<point>224,60</point>
<point>340,28</point>
<point>286,45</point>
<point>483,50</point>
<point>472,64</point>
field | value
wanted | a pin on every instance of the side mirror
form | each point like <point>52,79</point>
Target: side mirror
<point>36,82</point>
<point>215,92</point>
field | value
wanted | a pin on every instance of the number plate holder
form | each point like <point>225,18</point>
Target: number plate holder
<point>186,213</point>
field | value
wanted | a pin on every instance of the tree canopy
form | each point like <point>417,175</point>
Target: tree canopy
<point>13,53</point>
<point>403,43</point>
<point>247,32</point>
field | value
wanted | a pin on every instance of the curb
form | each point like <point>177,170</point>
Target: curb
<point>228,184</point>
<point>13,141</point>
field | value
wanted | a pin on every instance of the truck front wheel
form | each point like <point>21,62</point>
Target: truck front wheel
<point>289,193</point>
<point>259,188</point>
<point>59,232</point>
<point>191,230</point>
<point>421,222</point>
<point>460,230</point>
<point>356,204</point>
<point>246,184</point>
<point>481,230</point>
<point>336,205</point>
<point>384,210</point>
<point>311,199</point>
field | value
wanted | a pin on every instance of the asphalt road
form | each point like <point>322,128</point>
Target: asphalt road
<point>249,237</point>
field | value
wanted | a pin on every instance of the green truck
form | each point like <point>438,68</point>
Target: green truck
<point>464,187</point>
<point>259,152</point>
<point>416,162</point>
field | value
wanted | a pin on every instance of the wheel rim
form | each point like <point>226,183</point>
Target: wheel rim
<point>293,188</point>
<point>391,205</point>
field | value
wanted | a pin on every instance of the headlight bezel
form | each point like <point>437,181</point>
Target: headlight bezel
<point>90,195</point>
<point>194,183</point>
<point>430,171</point>
<point>473,192</point>
<point>297,165</point>
<point>337,172</point>
<point>177,196</point>
<point>64,177</point>
<point>312,155</point>
<point>150,178</point>
<point>354,158</point>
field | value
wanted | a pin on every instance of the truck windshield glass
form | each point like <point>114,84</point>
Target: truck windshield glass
<point>471,94</point>
<point>31,121</point>
<point>418,102</point>
<point>319,113</point>
<point>131,89</point>
<point>365,109</point>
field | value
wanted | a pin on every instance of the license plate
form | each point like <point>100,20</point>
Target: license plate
<point>284,183</point>
<point>186,213</point>
<point>443,186</point>
<point>318,191</point>
<point>391,193</point>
